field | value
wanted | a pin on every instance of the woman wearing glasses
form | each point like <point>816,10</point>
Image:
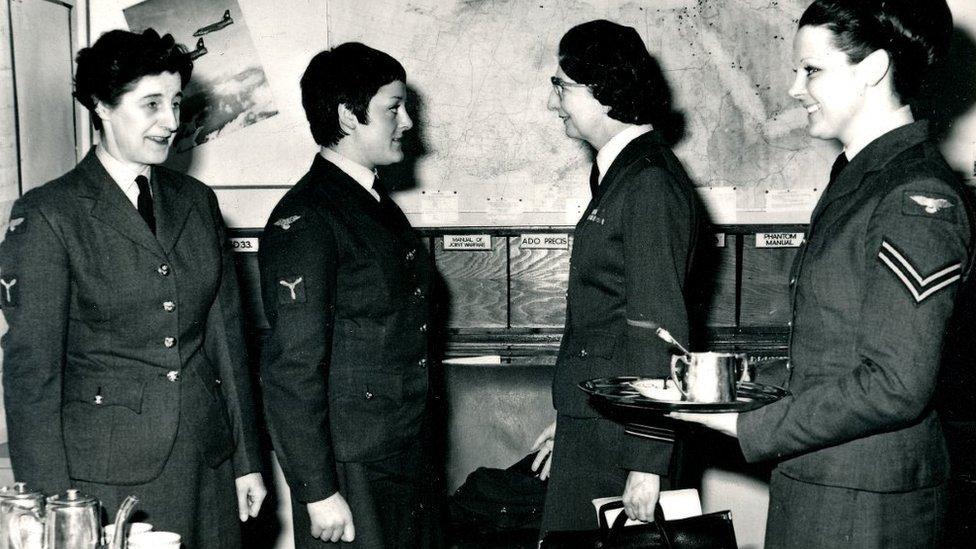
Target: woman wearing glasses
<point>862,458</point>
<point>631,254</point>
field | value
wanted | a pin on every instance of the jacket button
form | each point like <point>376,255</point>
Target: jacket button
<point>422,363</point>
<point>583,353</point>
<point>98,400</point>
<point>411,254</point>
<point>169,341</point>
<point>169,306</point>
<point>368,395</point>
<point>423,328</point>
<point>418,292</point>
<point>173,376</point>
<point>163,270</point>
<point>792,281</point>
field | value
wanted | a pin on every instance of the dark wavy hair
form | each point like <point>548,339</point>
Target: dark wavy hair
<point>613,61</point>
<point>349,74</point>
<point>118,59</point>
<point>915,33</point>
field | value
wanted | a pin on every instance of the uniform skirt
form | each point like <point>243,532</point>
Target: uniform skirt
<point>188,497</point>
<point>585,466</point>
<point>804,515</point>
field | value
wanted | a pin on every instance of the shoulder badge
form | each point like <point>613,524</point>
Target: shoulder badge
<point>286,222</point>
<point>17,225</point>
<point>920,285</point>
<point>929,204</point>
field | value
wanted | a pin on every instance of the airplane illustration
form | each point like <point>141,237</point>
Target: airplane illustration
<point>200,51</point>
<point>224,21</point>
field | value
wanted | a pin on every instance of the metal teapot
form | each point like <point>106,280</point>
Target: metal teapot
<point>72,521</point>
<point>21,525</point>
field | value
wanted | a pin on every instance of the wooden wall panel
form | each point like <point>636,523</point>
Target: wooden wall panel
<point>765,299</point>
<point>476,284</point>
<point>713,284</point>
<point>538,286</point>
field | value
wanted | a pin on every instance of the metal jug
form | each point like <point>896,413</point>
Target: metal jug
<point>21,518</point>
<point>72,521</point>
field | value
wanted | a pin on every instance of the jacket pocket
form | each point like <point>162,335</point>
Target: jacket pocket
<point>363,411</point>
<point>586,356</point>
<point>109,437</point>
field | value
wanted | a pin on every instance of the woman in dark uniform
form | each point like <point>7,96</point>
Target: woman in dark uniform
<point>124,370</point>
<point>862,458</point>
<point>632,250</point>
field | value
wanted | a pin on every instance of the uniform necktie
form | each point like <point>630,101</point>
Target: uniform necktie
<point>594,179</point>
<point>838,167</point>
<point>378,187</point>
<point>145,203</point>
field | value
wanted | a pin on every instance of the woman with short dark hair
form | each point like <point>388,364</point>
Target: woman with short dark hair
<point>861,456</point>
<point>124,371</point>
<point>632,251</point>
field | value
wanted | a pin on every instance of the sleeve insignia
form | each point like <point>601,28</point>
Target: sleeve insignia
<point>286,222</point>
<point>17,225</point>
<point>291,289</point>
<point>8,297</point>
<point>918,285</point>
<point>929,204</point>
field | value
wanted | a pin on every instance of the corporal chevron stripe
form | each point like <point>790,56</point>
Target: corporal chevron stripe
<point>921,287</point>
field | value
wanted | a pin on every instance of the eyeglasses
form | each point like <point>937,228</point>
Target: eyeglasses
<point>560,85</point>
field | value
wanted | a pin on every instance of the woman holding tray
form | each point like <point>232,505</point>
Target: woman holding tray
<point>861,456</point>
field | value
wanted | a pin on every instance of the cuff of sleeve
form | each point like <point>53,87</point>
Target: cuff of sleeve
<point>640,452</point>
<point>314,487</point>
<point>751,436</point>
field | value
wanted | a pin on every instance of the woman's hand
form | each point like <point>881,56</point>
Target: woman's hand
<point>723,423</point>
<point>544,444</point>
<point>250,495</point>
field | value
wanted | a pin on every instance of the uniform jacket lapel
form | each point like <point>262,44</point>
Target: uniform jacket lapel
<point>872,158</point>
<point>634,150</point>
<point>172,208</point>
<point>111,207</point>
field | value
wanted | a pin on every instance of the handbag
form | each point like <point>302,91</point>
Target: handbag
<point>711,531</point>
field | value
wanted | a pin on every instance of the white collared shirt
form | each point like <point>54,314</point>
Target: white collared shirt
<point>610,151</point>
<point>124,176</point>
<point>361,174</point>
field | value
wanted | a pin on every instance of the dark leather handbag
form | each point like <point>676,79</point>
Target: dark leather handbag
<point>711,531</point>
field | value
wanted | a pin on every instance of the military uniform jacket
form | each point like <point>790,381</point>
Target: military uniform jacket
<point>632,252</point>
<point>345,284</point>
<point>872,290</point>
<point>118,338</point>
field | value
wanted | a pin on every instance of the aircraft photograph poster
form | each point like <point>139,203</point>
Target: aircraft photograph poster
<point>229,89</point>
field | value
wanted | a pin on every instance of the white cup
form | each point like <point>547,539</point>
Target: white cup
<point>154,540</point>
<point>131,528</point>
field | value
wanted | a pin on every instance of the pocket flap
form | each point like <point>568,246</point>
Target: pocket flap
<point>104,391</point>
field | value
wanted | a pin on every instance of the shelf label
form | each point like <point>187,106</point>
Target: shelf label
<point>467,242</point>
<point>779,240</point>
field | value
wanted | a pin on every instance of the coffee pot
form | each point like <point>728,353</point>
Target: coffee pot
<point>20,517</point>
<point>72,521</point>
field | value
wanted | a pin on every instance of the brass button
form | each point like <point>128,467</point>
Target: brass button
<point>98,400</point>
<point>163,270</point>
<point>169,306</point>
<point>583,353</point>
<point>169,341</point>
<point>368,395</point>
<point>422,363</point>
<point>423,328</point>
<point>418,292</point>
<point>173,376</point>
<point>411,254</point>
